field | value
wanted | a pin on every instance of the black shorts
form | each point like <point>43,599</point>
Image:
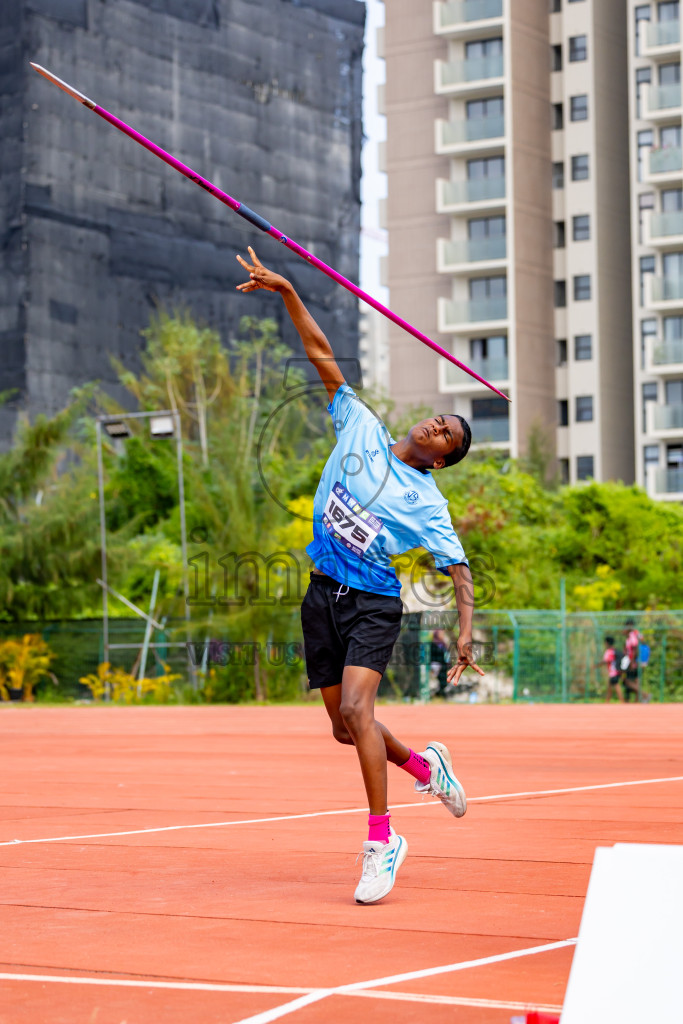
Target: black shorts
<point>344,626</point>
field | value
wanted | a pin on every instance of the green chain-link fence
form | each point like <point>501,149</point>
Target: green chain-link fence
<point>527,655</point>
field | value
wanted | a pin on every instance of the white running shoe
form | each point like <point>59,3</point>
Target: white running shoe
<point>381,861</point>
<point>443,782</point>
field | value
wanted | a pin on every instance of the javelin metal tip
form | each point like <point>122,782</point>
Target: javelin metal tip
<point>69,89</point>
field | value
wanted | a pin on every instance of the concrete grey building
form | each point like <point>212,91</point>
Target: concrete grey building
<point>262,97</point>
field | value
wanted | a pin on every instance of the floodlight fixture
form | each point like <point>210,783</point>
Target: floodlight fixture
<point>161,426</point>
<point>117,429</point>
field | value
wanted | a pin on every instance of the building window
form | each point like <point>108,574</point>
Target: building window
<point>672,200</point>
<point>558,234</point>
<point>669,74</point>
<point>667,10</point>
<point>643,77</point>
<point>584,467</point>
<point>556,57</point>
<point>672,326</point>
<point>647,266</point>
<point>580,167</point>
<point>557,116</point>
<point>645,141</point>
<point>560,292</point>
<point>646,201</point>
<point>477,110</point>
<point>674,456</point>
<point>583,347</point>
<point>563,413</point>
<point>495,347</point>
<point>581,227</point>
<point>578,48</point>
<point>648,329</point>
<point>649,395</point>
<point>486,227</point>
<point>564,470</point>
<point>558,175</point>
<point>673,392</point>
<point>584,408</point>
<point>650,460</point>
<point>486,167</point>
<point>488,288</point>
<point>582,287</point>
<point>561,351</point>
<point>642,14</point>
<point>490,419</point>
<point>555,6</point>
<point>578,107</point>
<point>484,48</point>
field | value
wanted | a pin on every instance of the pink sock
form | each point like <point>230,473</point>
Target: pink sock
<point>417,766</point>
<point>378,828</point>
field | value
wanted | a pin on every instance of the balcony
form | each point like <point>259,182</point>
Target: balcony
<point>666,419</point>
<point>480,74</point>
<point>666,161</point>
<point>669,481</point>
<point>493,370</point>
<point>474,135</point>
<point>460,316</point>
<point>493,430</point>
<point>461,17</point>
<point>662,37</point>
<point>452,256</point>
<point>664,101</point>
<point>667,291</point>
<point>451,195</point>
<point>666,229</point>
<point>667,357</point>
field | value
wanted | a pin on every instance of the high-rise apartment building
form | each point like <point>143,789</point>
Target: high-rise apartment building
<point>508,220</point>
<point>654,48</point>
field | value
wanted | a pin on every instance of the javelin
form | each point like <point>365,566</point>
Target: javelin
<point>259,222</point>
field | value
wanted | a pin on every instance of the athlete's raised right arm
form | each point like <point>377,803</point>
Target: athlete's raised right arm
<point>316,345</point>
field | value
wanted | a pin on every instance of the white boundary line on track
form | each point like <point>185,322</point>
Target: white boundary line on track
<point>307,995</point>
<point>429,972</point>
<point>186,986</point>
<point>351,810</point>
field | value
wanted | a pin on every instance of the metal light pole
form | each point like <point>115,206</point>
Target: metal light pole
<point>115,426</point>
<point>103,543</point>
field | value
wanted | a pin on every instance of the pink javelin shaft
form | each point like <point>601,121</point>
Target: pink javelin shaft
<point>260,222</point>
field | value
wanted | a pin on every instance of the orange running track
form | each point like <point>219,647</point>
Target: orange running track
<point>138,887</point>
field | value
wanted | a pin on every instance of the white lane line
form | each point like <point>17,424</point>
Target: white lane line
<point>183,986</point>
<point>411,997</point>
<point>350,810</point>
<point>286,1008</point>
<point>487,1004</point>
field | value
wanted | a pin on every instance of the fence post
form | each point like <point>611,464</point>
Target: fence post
<point>563,610</point>
<point>662,668</point>
<point>515,665</point>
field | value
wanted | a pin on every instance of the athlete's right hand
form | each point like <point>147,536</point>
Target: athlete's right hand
<point>260,276</point>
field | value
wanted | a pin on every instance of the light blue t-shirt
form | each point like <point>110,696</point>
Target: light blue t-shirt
<point>370,505</point>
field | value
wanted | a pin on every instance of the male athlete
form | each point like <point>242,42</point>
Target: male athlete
<point>376,498</point>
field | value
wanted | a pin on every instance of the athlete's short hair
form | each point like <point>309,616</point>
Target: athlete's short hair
<point>458,454</point>
<point>609,640</point>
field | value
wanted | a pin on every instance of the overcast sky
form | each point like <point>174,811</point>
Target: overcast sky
<point>373,184</point>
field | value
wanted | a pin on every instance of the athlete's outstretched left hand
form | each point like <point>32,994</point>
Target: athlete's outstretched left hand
<point>465,660</point>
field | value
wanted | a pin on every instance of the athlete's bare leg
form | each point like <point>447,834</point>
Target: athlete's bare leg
<point>351,708</point>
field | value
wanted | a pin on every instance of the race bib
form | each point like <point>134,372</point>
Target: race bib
<point>348,522</point>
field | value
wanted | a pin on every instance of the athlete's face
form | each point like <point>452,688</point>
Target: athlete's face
<point>436,438</point>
